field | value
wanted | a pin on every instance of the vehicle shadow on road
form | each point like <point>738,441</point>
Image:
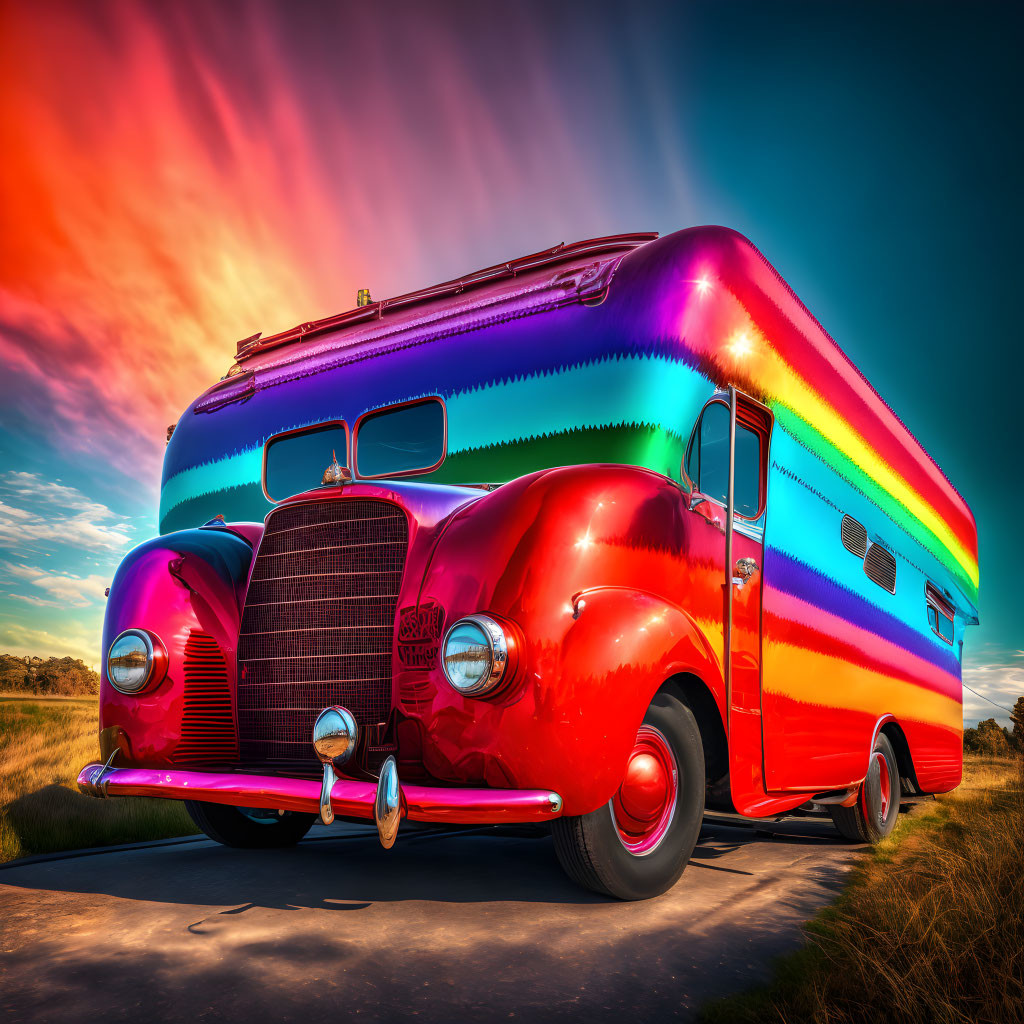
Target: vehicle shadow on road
<point>471,925</point>
<point>346,870</point>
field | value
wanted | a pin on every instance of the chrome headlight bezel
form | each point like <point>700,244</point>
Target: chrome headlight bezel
<point>497,640</point>
<point>156,661</point>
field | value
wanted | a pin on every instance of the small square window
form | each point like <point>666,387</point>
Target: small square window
<point>940,614</point>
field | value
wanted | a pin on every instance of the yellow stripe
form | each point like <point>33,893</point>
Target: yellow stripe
<point>852,687</point>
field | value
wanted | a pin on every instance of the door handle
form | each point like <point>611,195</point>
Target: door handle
<point>745,568</point>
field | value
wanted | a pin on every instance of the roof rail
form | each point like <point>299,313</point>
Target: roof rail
<point>376,310</point>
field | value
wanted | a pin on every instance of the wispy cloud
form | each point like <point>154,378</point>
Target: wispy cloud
<point>36,510</point>
<point>65,589</point>
<point>998,676</point>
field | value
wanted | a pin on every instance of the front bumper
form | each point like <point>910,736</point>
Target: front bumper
<point>350,798</point>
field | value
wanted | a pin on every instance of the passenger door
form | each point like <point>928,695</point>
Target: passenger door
<point>707,466</point>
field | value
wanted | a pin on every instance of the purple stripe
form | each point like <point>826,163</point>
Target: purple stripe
<point>799,580</point>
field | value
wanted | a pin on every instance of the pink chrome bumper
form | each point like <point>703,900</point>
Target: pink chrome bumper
<point>349,798</point>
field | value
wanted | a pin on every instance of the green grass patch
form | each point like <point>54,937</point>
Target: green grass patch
<point>43,744</point>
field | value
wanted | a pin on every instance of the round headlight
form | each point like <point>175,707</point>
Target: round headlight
<point>134,661</point>
<point>474,655</point>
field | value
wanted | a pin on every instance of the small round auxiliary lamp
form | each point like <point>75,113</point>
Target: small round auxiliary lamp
<point>335,736</point>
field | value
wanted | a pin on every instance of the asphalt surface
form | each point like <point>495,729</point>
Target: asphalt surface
<point>473,926</point>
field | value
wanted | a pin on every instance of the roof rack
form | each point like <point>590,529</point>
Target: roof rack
<point>375,310</point>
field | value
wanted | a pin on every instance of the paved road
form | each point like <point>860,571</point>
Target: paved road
<point>443,927</point>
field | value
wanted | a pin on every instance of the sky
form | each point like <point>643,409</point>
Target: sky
<point>177,176</point>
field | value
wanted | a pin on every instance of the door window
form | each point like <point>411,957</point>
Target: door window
<point>707,460</point>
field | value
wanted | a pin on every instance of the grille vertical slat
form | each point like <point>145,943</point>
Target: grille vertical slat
<point>318,624</point>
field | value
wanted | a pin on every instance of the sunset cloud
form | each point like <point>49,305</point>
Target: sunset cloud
<point>75,640</point>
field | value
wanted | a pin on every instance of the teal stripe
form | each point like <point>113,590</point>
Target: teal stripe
<point>634,389</point>
<point>236,470</point>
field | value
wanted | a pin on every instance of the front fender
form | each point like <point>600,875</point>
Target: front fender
<point>572,718</point>
<point>177,586</point>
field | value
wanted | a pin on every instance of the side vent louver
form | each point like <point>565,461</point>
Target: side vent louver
<point>880,567</point>
<point>208,721</point>
<point>855,537</point>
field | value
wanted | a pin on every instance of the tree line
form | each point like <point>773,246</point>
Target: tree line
<point>994,740</point>
<point>63,677</point>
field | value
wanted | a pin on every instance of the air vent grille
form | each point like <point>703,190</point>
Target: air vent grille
<point>855,537</point>
<point>207,720</point>
<point>881,567</point>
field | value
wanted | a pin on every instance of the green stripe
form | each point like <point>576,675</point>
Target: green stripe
<point>628,444</point>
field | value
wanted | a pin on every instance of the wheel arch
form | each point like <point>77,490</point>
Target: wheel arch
<point>689,689</point>
<point>893,731</point>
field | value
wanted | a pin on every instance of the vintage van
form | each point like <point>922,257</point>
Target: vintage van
<point>594,538</point>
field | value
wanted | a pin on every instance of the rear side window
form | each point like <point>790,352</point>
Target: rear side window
<point>295,462</point>
<point>940,614</point>
<point>401,439</point>
<point>707,463</point>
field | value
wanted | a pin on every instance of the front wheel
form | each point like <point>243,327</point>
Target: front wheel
<point>247,827</point>
<point>637,845</point>
<point>874,814</point>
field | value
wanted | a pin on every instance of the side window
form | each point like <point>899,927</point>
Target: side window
<point>707,461</point>
<point>940,614</point>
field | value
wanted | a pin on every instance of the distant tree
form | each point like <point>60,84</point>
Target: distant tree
<point>66,677</point>
<point>1017,717</point>
<point>13,672</point>
<point>990,739</point>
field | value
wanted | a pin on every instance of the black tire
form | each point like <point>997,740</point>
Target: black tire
<point>233,826</point>
<point>589,848</point>
<point>865,821</point>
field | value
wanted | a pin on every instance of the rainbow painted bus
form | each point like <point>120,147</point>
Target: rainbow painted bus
<point>595,538</point>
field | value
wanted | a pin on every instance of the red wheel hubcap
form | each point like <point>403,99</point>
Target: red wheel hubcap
<point>646,800</point>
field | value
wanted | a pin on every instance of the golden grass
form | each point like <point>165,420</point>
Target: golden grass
<point>929,929</point>
<point>43,744</point>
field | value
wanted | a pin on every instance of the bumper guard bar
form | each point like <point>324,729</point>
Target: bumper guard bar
<point>350,798</point>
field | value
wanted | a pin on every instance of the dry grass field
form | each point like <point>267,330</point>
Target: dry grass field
<point>44,741</point>
<point>930,928</point>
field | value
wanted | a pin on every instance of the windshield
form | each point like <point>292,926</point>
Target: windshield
<point>295,462</point>
<point>402,439</point>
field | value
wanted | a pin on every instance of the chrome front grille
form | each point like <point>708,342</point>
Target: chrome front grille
<point>318,624</point>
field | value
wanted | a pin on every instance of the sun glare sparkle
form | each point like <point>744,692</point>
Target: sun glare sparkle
<point>741,345</point>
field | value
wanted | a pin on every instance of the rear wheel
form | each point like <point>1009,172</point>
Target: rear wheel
<point>637,845</point>
<point>874,814</point>
<point>249,827</point>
